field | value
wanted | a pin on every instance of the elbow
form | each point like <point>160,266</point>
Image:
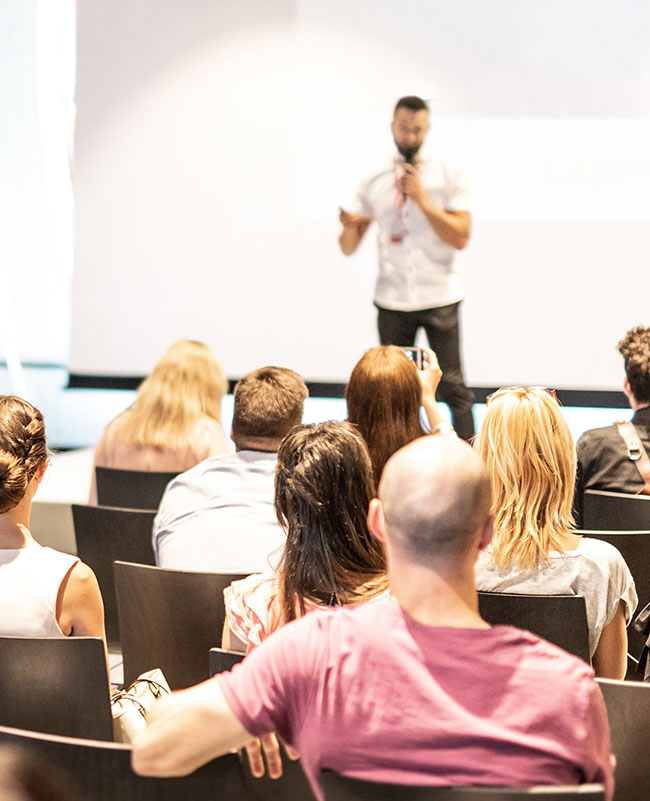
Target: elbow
<point>462,240</point>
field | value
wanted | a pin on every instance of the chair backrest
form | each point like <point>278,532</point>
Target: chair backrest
<point>131,489</point>
<point>104,535</point>
<point>616,511</point>
<point>628,710</point>
<point>635,549</point>
<point>221,660</point>
<point>57,685</point>
<point>169,619</point>
<point>560,619</point>
<point>102,771</point>
<point>342,788</point>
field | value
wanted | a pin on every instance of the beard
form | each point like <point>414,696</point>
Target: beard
<point>409,153</point>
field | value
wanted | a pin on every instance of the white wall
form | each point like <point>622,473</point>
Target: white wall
<point>36,121</point>
<point>215,141</point>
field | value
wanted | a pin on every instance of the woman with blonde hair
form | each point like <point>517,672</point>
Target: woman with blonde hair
<point>384,396</point>
<point>43,592</point>
<point>527,447</point>
<point>175,421</point>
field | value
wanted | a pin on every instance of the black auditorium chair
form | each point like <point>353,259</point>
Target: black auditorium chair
<point>560,619</point>
<point>131,489</point>
<point>615,511</point>
<point>104,535</point>
<point>222,659</point>
<point>169,619</point>
<point>342,788</point>
<point>628,710</point>
<point>102,771</point>
<point>57,685</point>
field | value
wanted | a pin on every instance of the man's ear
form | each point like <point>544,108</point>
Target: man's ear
<point>376,519</point>
<point>486,533</point>
<point>626,388</point>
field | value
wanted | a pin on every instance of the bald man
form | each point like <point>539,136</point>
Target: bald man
<point>412,689</point>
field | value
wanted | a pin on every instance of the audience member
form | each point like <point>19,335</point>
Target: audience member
<point>175,421</point>
<point>219,515</point>
<point>384,396</point>
<point>527,447</point>
<point>415,688</point>
<point>608,458</point>
<point>323,485</point>
<point>43,593</point>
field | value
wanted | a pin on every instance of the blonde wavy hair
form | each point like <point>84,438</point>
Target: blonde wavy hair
<point>530,455</point>
<point>185,387</point>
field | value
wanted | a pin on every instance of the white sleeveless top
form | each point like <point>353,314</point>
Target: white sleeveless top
<point>30,578</point>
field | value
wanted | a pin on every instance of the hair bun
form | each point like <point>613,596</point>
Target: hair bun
<point>14,478</point>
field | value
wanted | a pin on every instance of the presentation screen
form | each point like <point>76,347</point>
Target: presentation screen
<point>216,142</point>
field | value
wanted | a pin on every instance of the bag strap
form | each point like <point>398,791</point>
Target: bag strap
<point>636,453</point>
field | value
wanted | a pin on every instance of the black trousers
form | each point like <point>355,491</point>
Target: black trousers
<point>442,330</point>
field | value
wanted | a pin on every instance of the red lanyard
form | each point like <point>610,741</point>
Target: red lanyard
<point>398,191</point>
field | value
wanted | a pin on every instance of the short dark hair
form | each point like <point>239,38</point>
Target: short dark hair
<point>268,403</point>
<point>635,350</point>
<point>412,103</point>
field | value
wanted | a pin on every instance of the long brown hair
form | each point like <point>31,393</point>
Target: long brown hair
<point>185,386</point>
<point>323,486</point>
<point>384,395</point>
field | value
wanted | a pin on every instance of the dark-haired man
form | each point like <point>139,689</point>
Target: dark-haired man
<point>412,689</point>
<point>420,205</point>
<point>219,516</point>
<point>608,457</point>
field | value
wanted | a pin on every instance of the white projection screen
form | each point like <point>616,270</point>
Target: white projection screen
<point>215,142</point>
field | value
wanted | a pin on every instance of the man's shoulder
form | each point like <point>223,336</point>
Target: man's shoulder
<point>225,463</point>
<point>594,436</point>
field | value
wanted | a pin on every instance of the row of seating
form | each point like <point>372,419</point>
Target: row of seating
<point>134,489</point>
<point>101,770</point>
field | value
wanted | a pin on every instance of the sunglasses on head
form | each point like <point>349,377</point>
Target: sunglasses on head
<point>551,392</point>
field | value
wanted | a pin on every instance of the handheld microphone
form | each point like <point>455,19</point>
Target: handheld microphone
<point>409,156</point>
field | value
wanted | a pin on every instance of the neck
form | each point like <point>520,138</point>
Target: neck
<point>636,406</point>
<point>14,526</point>
<point>443,595</point>
<point>264,444</point>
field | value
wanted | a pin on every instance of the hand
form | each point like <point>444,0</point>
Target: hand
<point>267,745</point>
<point>350,220</point>
<point>410,184</point>
<point>430,374</point>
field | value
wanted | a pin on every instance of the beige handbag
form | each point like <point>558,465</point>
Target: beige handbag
<point>130,707</point>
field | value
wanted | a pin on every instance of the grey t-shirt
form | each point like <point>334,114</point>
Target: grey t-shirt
<point>595,570</point>
<point>219,516</point>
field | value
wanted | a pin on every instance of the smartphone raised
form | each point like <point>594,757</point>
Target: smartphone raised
<point>415,355</point>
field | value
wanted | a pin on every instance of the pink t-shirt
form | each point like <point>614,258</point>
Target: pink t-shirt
<point>373,694</point>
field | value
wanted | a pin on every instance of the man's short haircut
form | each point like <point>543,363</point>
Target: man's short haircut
<point>411,103</point>
<point>635,350</point>
<point>268,403</point>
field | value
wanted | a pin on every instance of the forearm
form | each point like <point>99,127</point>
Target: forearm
<point>451,226</point>
<point>432,412</point>
<point>349,240</point>
<point>186,730</point>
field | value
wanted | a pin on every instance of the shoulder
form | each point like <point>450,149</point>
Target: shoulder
<point>599,550</point>
<point>594,436</point>
<point>258,588</point>
<point>50,556</point>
